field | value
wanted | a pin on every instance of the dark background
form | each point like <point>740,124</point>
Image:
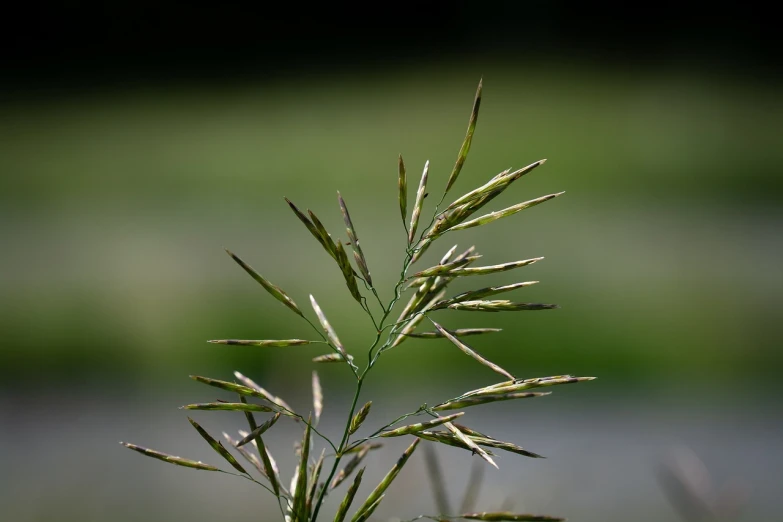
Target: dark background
<point>138,139</point>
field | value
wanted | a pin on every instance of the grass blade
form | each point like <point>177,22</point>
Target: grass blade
<point>402,183</point>
<point>519,385</point>
<point>500,516</point>
<point>411,325</point>
<point>361,261</point>
<point>475,401</point>
<point>470,444</point>
<point>461,332</point>
<point>367,513</point>
<point>358,419</point>
<point>227,406</point>
<point>171,459</point>
<point>445,437</point>
<point>307,223</point>
<point>469,351</point>
<point>483,292</point>
<point>318,397</point>
<point>259,431</point>
<point>484,270</point>
<point>506,446</point>
<point>510,211</point>
<point>463,151</point>
<point>378,492</point>
<point>218,447</point>
<point>330,333</point>
<point>420,426</point>
<point>326,238</point>
<point>276,291</point>
<point>480,196</point>
<point>348,499</point>
<point>501,305</point>
<point>300,496</point>
<point>263,343</point>
<point>247,381</point>
<point>419,203</point>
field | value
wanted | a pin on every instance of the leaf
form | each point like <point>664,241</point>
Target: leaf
<point>318,397</point>
<point>358,419</point>
<point>499,516</point>
<point>264,343</point>
<point>469,351</point>
<point>276,292</point>
<point>475,401</point>
<point>357,249</point>
<point>510,211</point>
<point>330,333</point>
<point>218,447</point>
<point>402,183</point>
<point>171,459</point>
<point>378,492</point>
<point>462,332</point>
<point>259,431</point>
<point>463,151</point>
<point>227,406</point>
<point>419,203</point>
<point>413,428</point>
<point>367,513</point>
<point>346,503</point>
<point>314,476</point>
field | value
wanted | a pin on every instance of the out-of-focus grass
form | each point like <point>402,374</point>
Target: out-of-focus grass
<point>664,253</point>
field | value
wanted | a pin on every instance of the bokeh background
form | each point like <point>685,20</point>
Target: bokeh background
<point>138,140</point>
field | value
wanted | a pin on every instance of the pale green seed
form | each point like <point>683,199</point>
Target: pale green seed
<point>171,459</point>
<point>361,261</point>
<point>419,203</point>
<point>510,211</point>
<point>262,343</point>
<point>330,333</point>
<point>465,148</point>
<point>359,418</point>
<point>412,428</point>
<point>499,306</point>
<point>318,397</point>
<point>259,431</point>
<point>484,270</point>
<point>481,293</point>
<point>227,406</point>
<point>348,499</point>
<point>462,332</point>
<point>475,401</point>
<point>217,446</point>
<point>275,291</point>
<point>472,353</point>
<point>499,516</point>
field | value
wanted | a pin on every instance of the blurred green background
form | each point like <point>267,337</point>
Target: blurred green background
<point>117,200</point>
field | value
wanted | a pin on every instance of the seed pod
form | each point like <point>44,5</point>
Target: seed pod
<point>463,151</point>
<point>510,211</point>
<point>499,306</point>
<point>227,406</point>
<point>171,459</point>
<point>462,332</point>
<point>361,261</point>
<point>326,239</point>
<point>318,397</point>
<point>250,457</point>
<point>469,351</point>
<point>352,464</point>
<point>515,386</point>
<point>331,357</point>
<point>481,293</point>
<point>511,517</point>
<point>250,383</point>
<point>348,273</point>
<point>475,401</point>
<point>263,343</point>
<point>319,235</point>
<point>492,188</point>
<point>258,431</point>
<point>413,428</point>
<point>419,203</point>
<point>484,270</point>
<point>445,268</point>
<point>402,183</point>
<point>472,445</point>
<point>218,447</point>
<point>330,333</point>
<point>358,419</point>
<point>276,292</point>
